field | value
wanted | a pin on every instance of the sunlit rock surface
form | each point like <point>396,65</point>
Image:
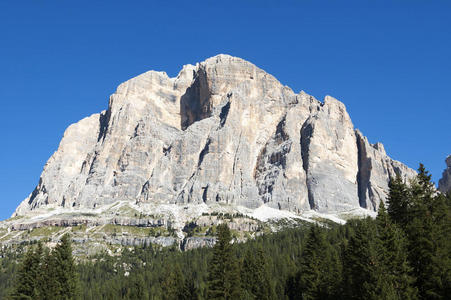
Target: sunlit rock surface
<point>221,132</point>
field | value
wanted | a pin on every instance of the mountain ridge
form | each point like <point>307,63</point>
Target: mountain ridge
<point>223,141</point>
<point>221,98</point>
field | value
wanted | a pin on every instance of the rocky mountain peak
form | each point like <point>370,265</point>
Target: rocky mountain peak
<point>222,132</point>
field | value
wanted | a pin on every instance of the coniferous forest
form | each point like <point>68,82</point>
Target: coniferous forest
<point>404,253</point>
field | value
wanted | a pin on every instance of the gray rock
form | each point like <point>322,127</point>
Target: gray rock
<point>223,131</point>
<point>375,171</point>
<point>197,242</point>
<point>330,156</point>
<point>444,184</point>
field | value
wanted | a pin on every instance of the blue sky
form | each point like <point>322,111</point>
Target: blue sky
<point>388,61</point>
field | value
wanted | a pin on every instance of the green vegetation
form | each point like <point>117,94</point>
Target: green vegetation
<point>224,273</point>
<point>47,275</point>
<point>4,234</point>
<point>44,231</point>
<point>80,228</point>
<point>134,230</point>
<point>126,210</point>
<point>192,229</point>
<point>405,253</point>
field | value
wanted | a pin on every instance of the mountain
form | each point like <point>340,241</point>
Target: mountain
<point>444,184</point>
<point>222,135</point>
<point>221,131</point>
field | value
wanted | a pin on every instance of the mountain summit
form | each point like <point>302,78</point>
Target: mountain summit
<point>222,131</point>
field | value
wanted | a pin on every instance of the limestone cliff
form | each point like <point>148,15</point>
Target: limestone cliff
<point>444,184</point>
<point>222,131</point>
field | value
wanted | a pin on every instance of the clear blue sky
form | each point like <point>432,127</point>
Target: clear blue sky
<point>388,61</point>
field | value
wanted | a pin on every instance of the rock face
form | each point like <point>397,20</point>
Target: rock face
<point>444,184</point>
<point>374,169</point>
<point>222,131</point>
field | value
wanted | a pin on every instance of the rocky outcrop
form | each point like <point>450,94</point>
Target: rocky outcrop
<point>444,184</point>
<point>222,131</point>
<point>197,242</point>
<point>330,158</point>
<point>69,221</point>
<point>375,171</point>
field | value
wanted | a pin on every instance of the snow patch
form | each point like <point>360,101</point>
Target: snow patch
<point>265,213</point>
<point>313,215</point>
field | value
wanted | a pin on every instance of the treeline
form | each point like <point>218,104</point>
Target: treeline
<point>405,253</point>
<point>47,275</point>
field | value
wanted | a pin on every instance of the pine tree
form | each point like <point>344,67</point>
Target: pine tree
<point>190,291</point>
<point>63,266</point>
<point>27,278</point>
<point>428,231</point>
<point>318,276</point>
<point>137,287</point>
<point>397,282</point>
<point>46,280</point>
<point>424,216</point>
<point>398,201</point>
<point>255,278</point>
<point>363,279</point>
<point>173,283</point>
<point>224,275</point>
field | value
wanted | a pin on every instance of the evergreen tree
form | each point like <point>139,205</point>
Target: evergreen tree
<point>428,231</point>
<point>363,279</point>
<point>425,181</point>
<point>137,287</point>
<point>398,201</point>
<point>397,282</point>
<point>424,215</point>
<point>47,281</point>
<point>255,277</point>
<point>27,278</point>
<point>190,291</point>
<point>224,275</point>
<point>63,266</point>
<point>318,276</point>
<point>173,283</point>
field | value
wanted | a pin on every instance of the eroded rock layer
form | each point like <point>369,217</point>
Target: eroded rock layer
<point>223,131</point>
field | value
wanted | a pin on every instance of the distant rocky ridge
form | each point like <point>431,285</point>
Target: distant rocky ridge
<point>222,131</point>
<point>444,184</point>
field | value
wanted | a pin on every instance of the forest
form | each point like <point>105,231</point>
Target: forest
<point>404,253</point>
